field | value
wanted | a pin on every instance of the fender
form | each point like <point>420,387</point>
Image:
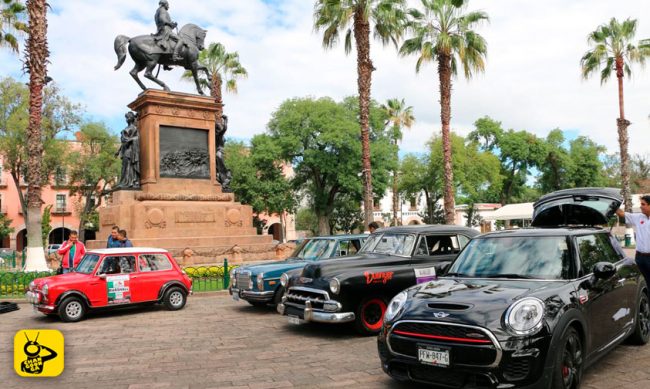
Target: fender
<point>168,285</point>
<point>572,316</point>
<point>69,293</point>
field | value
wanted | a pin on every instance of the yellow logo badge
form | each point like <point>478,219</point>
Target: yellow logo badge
<point>38,353</point>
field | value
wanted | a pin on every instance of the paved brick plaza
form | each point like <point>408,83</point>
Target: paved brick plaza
<point>217,343</point>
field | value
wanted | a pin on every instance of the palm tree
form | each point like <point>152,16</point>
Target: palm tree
<point>443,34</point>
<point>612,49</point>
<point>399,116</point>
<point>354,17</point>
<point>11,12</point>
<point>36,53</point>
<point>222,66</point>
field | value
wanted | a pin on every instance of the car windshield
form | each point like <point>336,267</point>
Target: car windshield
<point>314,248</point>
<point>514,257</point>
<point>389,243</point>
<point>87,264</point>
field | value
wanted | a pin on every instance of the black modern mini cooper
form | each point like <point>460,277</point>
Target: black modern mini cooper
<point>528,308</point>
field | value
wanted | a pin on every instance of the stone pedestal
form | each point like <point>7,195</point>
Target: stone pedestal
<point>180,204</point>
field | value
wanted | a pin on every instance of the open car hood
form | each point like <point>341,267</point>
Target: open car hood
<point>579,206</point>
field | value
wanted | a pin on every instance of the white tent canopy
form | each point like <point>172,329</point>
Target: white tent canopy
<point>512,212</point>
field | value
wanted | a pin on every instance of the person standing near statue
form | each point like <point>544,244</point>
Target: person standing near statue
<point>223,174</point>
<point>641,222</point>
<point>165,34</point>
<point>130,153</point>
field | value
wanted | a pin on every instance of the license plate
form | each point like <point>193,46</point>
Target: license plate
<point>294,320</point>
<point>436,357</point>
<point>35,308</point>
<point>235,296</point>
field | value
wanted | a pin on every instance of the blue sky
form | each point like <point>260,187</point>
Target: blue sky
<point>532,80</point>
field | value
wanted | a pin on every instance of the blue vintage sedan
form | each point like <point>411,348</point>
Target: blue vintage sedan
<point>260,284</point>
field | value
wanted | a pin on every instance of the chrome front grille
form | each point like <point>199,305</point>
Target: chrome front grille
<point>298,296</point>
<point>243,280</point>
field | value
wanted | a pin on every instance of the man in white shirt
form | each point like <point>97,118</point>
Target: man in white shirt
<point>641,222</point>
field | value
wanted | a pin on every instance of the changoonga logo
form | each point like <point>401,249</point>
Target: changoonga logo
<point>38,353</point>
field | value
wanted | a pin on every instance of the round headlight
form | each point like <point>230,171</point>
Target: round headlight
<point>525,316</point>
<point>335,286</point>
<point>233,278</point>
<point>284,280</point>
<point>395,306</point>
<point>45,290</point>
<point>260,281</point>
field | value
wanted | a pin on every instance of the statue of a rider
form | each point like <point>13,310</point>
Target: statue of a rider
<point>165,35</point>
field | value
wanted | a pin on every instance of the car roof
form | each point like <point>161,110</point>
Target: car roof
<point>564,231</point>
<point>426,228</point>
<point>128,250</point>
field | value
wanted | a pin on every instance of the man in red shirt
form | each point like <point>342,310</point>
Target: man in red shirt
<point>71,251</point>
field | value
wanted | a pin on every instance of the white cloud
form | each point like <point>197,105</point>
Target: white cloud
<point>532,79</point>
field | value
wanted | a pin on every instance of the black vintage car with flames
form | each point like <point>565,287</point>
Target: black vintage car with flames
<point>357,288</point>
<point>528,308</point>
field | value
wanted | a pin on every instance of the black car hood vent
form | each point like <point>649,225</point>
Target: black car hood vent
<point>449,306</point>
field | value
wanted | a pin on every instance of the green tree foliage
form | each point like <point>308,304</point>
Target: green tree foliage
<point>12,25</point>
<point>319,137</point>
<point>46,227</point>
<point>346,216</point>
<point>518,153</point>
<point>258,178</point>
<point>5,226</point>
<point>554,170</point>
<point>306,220</point>
<point>59,115</point>
<point>93,170</point>
<point>586,168</point>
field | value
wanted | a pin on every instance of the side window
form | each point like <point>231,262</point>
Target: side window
<point>462,241</point>
<point>423,248</point>
<point>593,249</point>
<point>153,262</point>
<point>443,244</point>
<point>348,247</point>
<point>343,248</point>
<point>117,265</point>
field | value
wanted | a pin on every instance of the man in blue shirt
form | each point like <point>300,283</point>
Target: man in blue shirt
<point>123,240</point>
<point>112,240</point>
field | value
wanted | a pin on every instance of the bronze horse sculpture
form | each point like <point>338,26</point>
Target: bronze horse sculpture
<point>146,54</point>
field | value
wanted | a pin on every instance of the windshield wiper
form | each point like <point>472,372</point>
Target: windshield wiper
<point>508,275</point>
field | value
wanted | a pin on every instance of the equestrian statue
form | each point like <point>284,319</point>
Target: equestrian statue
<point>164,48</point>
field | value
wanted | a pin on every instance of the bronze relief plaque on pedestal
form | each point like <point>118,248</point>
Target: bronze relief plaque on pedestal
<point>184,153</point>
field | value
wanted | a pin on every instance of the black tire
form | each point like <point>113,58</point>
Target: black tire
<point>72,309</point>
<point>569,361</point>
<point>641,333</point>
<point>175,298</point>
<point>369,315</point>
<point>277,297</point>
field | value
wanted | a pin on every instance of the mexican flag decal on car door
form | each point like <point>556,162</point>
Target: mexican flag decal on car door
<point>119,291</point>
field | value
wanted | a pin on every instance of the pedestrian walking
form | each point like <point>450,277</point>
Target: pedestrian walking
<point>641,222</point>
<point>71,251</point>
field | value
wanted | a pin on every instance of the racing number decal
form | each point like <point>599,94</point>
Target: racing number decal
<point>378,277</point>
<point>118,289</point>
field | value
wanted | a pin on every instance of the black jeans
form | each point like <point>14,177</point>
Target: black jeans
<point>643,262</point>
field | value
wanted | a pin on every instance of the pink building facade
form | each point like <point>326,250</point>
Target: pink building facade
<point>64,214</point>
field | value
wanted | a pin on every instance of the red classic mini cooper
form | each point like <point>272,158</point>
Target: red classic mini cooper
<point>108,278</point>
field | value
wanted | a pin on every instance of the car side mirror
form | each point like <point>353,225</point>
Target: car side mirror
<point>604,270</point>
<point>102,276</point>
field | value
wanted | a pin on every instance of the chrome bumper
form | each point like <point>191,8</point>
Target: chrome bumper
<point>309,314</point>
<point>251,295</point>
<point>34,298</point>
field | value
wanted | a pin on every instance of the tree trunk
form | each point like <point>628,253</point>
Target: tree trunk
<point>21,196</point>
<point>396,221</point>
<point>323,225</point>
<point>444,73</point>
<point>622,125</point>
<point>216,93</point>
<point>36,59</point>
<point>364,78</point>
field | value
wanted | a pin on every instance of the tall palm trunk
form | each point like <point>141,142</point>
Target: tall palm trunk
<point>396,221</point>
<point>444,73</point>
<point>216,93</point>
<point>622,124</point>
<point>37,57</point>
<point>364,70</point>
